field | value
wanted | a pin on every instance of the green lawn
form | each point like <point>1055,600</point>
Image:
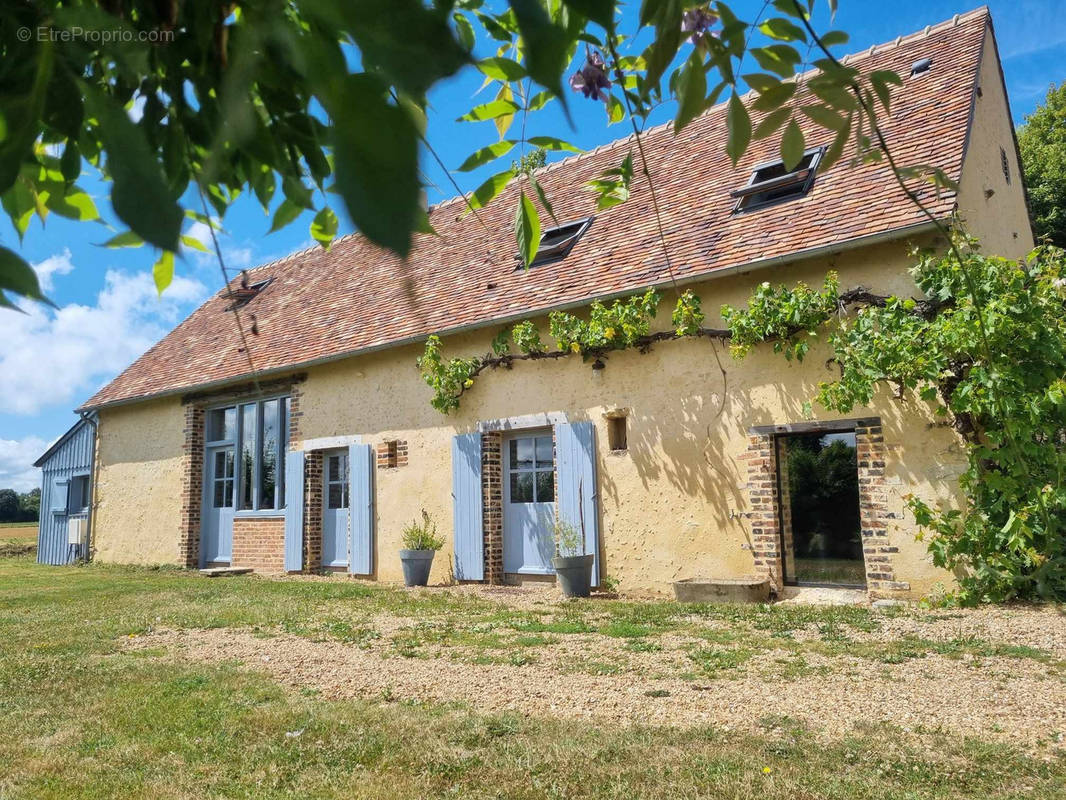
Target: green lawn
<point>85,717</point>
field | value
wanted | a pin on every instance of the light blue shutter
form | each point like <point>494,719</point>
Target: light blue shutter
<point>466,507</point>
<point>361,508</point>
<point>294,510</point>
<point>60,488</point>
<point>578,497</point>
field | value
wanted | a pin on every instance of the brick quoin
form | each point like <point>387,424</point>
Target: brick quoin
<point>492,505</point>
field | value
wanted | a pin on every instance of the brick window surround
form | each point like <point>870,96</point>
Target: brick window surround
<point>192,469</point>
<point>391,454</point>
<point>770,513</point>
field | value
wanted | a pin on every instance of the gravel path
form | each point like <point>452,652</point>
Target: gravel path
<point>1021,700</point>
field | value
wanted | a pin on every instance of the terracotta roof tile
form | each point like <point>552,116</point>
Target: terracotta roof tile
<point>322,305</point>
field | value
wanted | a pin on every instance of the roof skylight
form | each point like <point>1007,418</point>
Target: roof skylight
<point>771,183</point>
<point>556,243</point>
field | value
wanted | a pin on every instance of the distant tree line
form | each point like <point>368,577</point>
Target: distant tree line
<point>15,507</point>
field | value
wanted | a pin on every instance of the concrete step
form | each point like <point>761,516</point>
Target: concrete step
<point>222,572</point>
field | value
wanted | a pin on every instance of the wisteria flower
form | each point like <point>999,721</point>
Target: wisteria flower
<point>697,22</point>
<point>591,80</point>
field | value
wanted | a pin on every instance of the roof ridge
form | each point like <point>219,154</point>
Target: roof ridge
<point>848,58</point>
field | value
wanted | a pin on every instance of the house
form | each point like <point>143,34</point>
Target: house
<point>313,447</point>
<point>66,492</point>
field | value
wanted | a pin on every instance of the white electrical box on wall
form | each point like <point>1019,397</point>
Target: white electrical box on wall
<point>76,528</point>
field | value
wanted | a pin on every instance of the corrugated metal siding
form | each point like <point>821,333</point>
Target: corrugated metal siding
<point>74,457</point>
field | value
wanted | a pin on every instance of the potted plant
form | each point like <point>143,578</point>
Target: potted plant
<point>573,568</point>
<point>420,542</point>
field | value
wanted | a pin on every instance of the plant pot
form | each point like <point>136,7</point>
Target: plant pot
<point>416,565</point>
<point>574,574</point>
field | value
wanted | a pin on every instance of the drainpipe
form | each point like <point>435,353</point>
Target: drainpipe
<point>90,417</point>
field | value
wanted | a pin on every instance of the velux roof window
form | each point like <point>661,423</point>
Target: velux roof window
<point>244,293</point>
<point>771,183</point>
<point>556,243</point>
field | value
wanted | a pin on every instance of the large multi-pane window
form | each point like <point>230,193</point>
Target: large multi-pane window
<point>258,433</point>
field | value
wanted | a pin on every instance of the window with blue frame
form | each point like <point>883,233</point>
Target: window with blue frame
<point>258,433</point>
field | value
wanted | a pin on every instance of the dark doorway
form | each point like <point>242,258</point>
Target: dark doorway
<point>821,531</point>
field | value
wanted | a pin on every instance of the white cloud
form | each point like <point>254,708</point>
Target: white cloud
<point>59,264</point>
<point>52,357</point>
<point>16,460</point>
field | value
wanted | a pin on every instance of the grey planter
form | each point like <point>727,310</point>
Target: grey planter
<point>574,574</point>
<point>416,565</point>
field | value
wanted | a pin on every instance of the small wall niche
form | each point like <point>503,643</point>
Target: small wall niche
<point>617,430</point>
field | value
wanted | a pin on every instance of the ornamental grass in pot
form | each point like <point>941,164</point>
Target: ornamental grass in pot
<point>573,567</point>
<point>420,543</point>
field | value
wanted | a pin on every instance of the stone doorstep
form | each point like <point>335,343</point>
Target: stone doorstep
<point>222,572</point>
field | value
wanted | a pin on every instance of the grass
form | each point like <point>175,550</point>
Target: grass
<point>84,717</point>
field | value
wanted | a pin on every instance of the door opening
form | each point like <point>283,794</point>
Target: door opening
<point>821,530</point>
<point>335,511</point>
<point>528,503</point>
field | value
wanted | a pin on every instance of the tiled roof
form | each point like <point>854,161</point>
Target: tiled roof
<point>323,305</point>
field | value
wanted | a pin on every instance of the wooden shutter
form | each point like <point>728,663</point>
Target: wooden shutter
<point>577,493</point>
<point>60,490</point>
<point>466,507</point>
<point>361,509</point>
<point>294,510</point>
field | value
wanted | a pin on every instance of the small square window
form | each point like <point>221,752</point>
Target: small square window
<point>556,243</point>
<point>771,183</point>
<point>78,498</point>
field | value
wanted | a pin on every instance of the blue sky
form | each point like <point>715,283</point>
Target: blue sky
<point>108,312</point>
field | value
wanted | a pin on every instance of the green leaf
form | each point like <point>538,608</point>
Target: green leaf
<point>825,117</point>
<point>775,97</point>
<point>489,189</point>
<point>546,45</point>
<point>783,30</point>
<point>691,91</point>
<point>464,30</point>
<point>324,227</point>
<point>599,11</point>
<point>408,41</point>
<point>792,146</point>
<point>70,163</point>
<point>286,213</point>
<point>833,38</point>
<point>539,100</point>
<point>18,277</point>
<point>761,82</point>
<point>486,154</point>
<point>501,69</point>
<point>780,59</point>
<point>552,143</point>
<point>771,123</point>
<point>738,124</point>
<point>163,271</point>
<point>21,113</point>
<point>527,229</point>
<point>73,205</point>
<point>194,243</point>
<point>375,146</point>
<point>140,195</point>
<point>124,239</point>
<point>616,110</point>
<point>543,198</point>
<point>880,80</point>
<point>492,110</point>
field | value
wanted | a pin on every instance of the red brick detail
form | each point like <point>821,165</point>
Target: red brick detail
<point>763,496</point>
<point>874,515</point>
<point>259,543</point>
<point>784,503</point>
<point>192,487</point>
<point>492,505</point>
<point>313,465</point>
<point>296,415</point>
<point>392,454</point>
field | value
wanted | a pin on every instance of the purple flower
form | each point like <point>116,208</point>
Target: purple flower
<point>591,79</point>
<point>697,21</point>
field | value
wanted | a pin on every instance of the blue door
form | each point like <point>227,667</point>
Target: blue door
<point>528,503</point>
<point>217,518</point>
<point>335,510</point>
